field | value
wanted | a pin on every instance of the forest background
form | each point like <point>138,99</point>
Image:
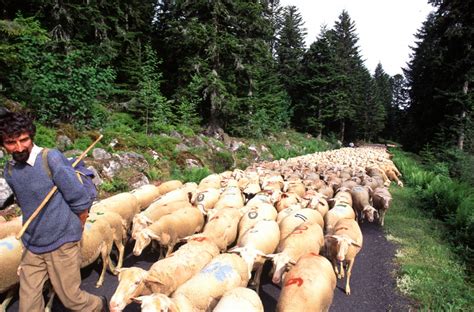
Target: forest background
<point>240,67</point>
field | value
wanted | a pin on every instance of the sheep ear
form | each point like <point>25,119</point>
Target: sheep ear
<point>258,252</point>
<point>291,262</point>
<point>152,235</point>
<point>201,209</point>
<point>153,278</point>
<point>270,256</point>
<point>355,244</point>
<point>138,299</point>
<point>331,237</point>
<point>236,249</point>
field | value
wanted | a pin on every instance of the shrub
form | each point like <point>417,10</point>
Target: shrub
<point>116,185</point>
<point>45,137</point>
<point>189,174</point>
<point>222,161</point>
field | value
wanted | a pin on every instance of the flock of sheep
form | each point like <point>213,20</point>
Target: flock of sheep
<point>303,214</point>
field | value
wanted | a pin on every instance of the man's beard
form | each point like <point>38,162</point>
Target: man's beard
<point>21,156</point>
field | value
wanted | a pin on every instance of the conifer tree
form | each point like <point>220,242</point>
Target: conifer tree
<point>290,50</point>
<point>348,86</point>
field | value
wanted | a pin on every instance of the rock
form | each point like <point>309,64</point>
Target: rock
<point>63,142</point>
<point>96,180</point>
<point>182,147</point>
<point>195,141</point>
<point>235,145</point>
<point>192,163</point>
<point>133,160</point>
<point>176,134</point>
<point>2,154</point>
<point>155,155</point>
<point>5,191</point>
<point>113,143</point>
<point>100,154</point>
<point>111,168</point>
<point>139,180</point>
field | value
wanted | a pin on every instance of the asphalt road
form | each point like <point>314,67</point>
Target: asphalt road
<point>373,283</point>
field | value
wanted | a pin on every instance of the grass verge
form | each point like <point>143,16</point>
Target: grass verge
<point>430,272</point>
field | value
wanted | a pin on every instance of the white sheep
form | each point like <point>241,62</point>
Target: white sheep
<point>146,194</point>
<point>340,211</point>
<point>361,204</point>
<point>206,199</point>
<point>308,286</point>
<point>292,221</point>
<point>125,204</point>
<point>165,275</point>
<point>11,227</point>
<point>231,197</point>
<point>154,212</point>
<point>307,237</point>
<point>118,226</point>
<point>239,299</point>
<point>222,226</point>
<point>342,245</point>
<point>204,290</point>
<point>169,186</point>
<point>382,199</point>
<point>169,229</point>
<point>261,239</point>
<point>255,213</point>
<point>97,240</point>
<point>287,199</point>
<point>10,257</point>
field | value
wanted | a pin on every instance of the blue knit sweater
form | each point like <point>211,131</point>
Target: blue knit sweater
<point>57,223</point>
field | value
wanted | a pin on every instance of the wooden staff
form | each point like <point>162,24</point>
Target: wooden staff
<point>52,191</point>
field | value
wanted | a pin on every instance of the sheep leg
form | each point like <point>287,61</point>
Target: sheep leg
<point>342,269</point>
<point>382,217</point>
<point>349,271</point>
<point>334,264</point>
<point>256,278</point>
<point>170,250</point>
<point>49,305</point>
<point>105,255</point>
<point>8,299</point>
<point>121,248</point>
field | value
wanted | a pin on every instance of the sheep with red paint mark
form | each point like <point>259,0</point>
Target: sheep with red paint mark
<point>307,237</point>
<point>296,218</point>
<point>222,226</point>
<point>308,286</point>
<point>342,246</point>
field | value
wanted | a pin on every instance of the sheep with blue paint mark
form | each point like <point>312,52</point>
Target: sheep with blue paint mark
<point>10,257</point>
<point>204,290</point>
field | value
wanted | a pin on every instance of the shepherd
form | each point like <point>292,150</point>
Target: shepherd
<point>51,240</point>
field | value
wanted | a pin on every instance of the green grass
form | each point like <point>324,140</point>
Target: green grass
<point>430,272</point>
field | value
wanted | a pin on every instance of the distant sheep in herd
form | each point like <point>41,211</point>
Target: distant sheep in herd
<point>301,213</point>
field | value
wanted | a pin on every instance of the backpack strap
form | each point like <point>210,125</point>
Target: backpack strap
<point>44,157</point>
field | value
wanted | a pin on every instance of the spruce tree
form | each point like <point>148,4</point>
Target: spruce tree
<point>290,49</point>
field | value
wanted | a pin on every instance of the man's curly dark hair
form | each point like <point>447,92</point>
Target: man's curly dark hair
<point>13,124</point>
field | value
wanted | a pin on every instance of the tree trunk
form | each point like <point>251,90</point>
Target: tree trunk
<point>343,128</point>
<point>462,121</point>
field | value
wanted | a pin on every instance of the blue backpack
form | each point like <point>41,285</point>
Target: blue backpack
<point>84,175</point>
